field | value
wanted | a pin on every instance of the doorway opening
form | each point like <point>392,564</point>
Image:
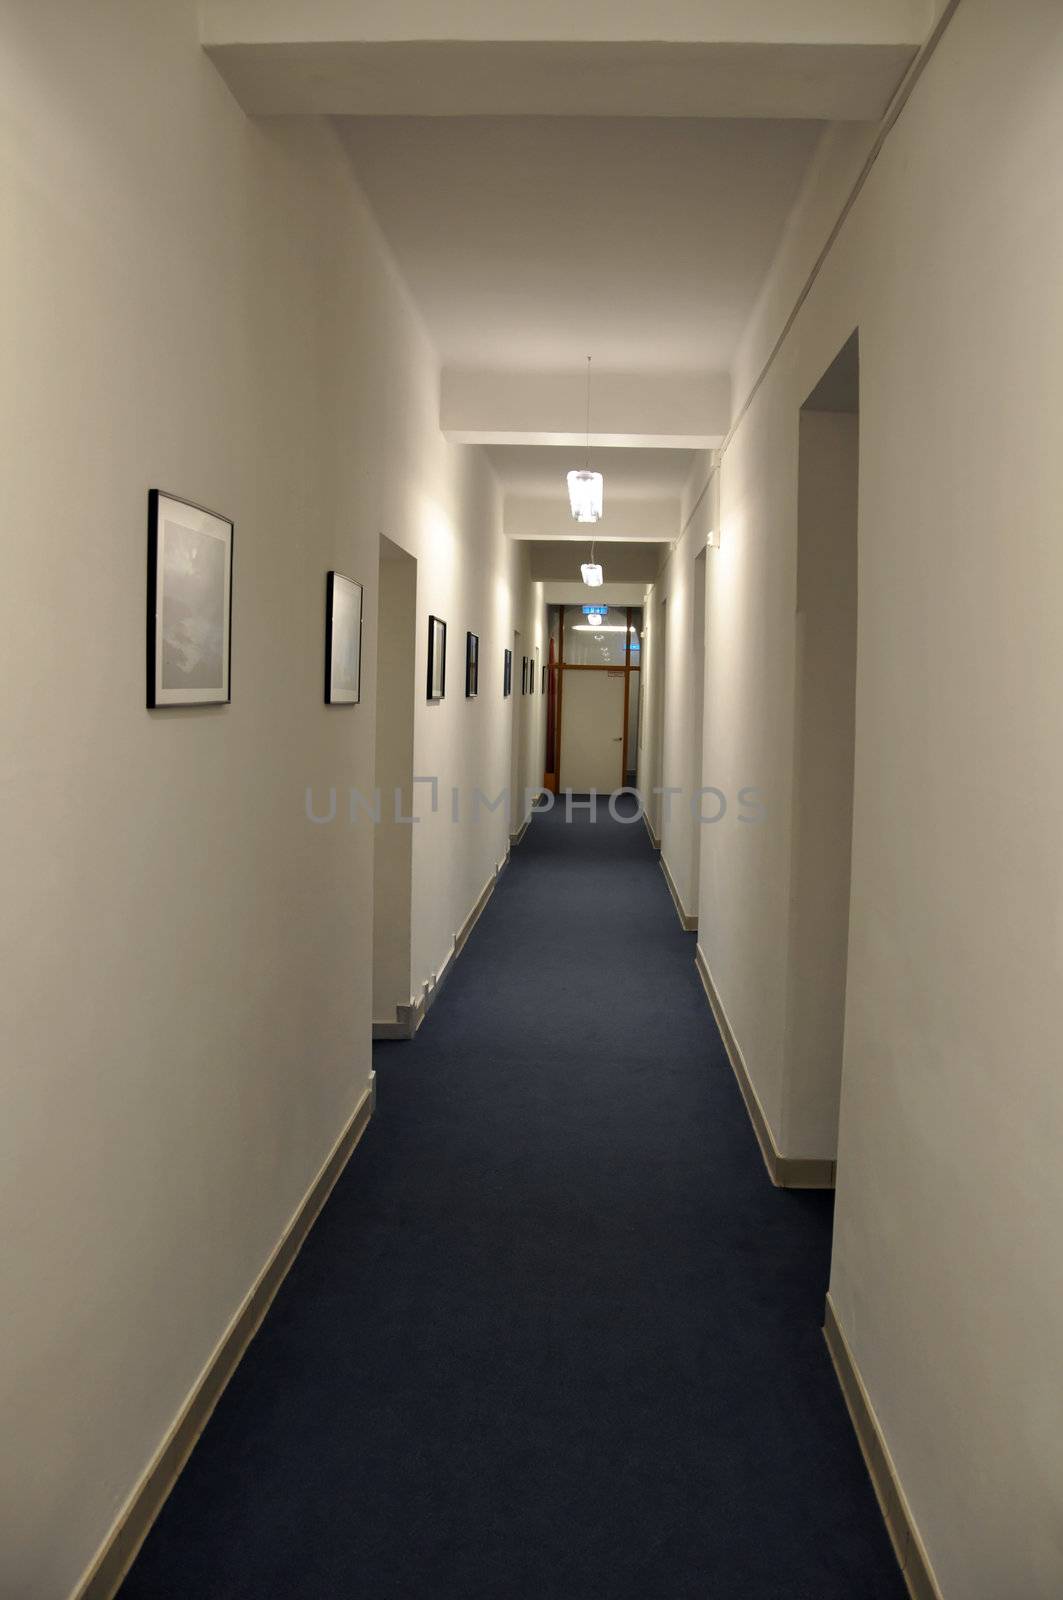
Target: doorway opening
<point>823,754</point>
<point>592,735</point>
<point>393,770</point>
<point>697,716</point>
<point>659,648</point>
<point>518,687</point>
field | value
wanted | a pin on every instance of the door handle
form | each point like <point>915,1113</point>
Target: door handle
<point>619,739</point>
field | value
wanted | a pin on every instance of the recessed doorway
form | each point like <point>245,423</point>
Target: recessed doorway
<point>823,752</point>
<point>393,770</point>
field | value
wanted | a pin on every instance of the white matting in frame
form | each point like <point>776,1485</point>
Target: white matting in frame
<point>190,568</point>
<point>343,641</point>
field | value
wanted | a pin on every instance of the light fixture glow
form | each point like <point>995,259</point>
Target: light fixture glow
<point>593,576</point>
<point>585,490</point>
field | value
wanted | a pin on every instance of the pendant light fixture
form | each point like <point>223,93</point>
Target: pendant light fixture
<point>585,488</point>
<point>593,576</point>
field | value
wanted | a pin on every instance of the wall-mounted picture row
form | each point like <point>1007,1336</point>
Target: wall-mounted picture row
<point>190,610</point>
<point>189,617</point>
<point>190,595</point>
<point>437,665</point>
<point>343,641</point>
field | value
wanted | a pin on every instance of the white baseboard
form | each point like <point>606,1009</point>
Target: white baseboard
<point>687,921</point>
<point>786,1172</point>
<point>908,1545</point>
<point>407,1021</point>
<point>133,1523</point>
<point>654,840</point>
<point>409,1018</point>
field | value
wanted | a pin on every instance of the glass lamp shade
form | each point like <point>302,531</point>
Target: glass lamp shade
<point>585,492</point>
<point>593,576</point>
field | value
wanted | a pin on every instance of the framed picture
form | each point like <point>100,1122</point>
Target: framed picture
<point>523,674</point>
<point>437,658</point>
<point>472,664</point>
<point>343,641</point>
<point>190,600</point>
<point>545,670</point>
<point>507,673</point>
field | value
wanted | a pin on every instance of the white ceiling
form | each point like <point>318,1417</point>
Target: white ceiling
<point>629,474</point>
<point>830,59</point>
<point>531,242</point>
<point>574,177</point>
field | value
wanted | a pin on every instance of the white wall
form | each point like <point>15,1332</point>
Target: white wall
<point>466,743</point>
<point>946,1264</point>
<point>675,755</point>
<point>194,302</point>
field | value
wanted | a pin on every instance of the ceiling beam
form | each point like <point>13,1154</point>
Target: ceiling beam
<point>537,517</point>
<point>676,21</point>
<point>559,561</point>
<point>680,58</point>
<point>664,411</point>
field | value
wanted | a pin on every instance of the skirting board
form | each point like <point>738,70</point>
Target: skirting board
<point>654,840</point>
<point>688,923</point>
<point>907,1544</point>
<point>786,1172</point>
<point>473,918</point>
<point>407,1021</point>
<point>409,1018</point>
<point>119,1549</point>
<point>515,838</point>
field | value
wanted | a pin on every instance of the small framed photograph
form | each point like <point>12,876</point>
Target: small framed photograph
<point>472,664</point>
<point>523,674</point>
<point>190,596</point>
<point>343,641</point>
<point>507,673</point>
<point>437,658</point>
<point>545,670</point>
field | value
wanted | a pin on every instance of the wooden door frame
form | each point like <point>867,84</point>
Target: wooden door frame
<point>561,667</point>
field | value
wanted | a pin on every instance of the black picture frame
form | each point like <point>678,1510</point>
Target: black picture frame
<point>507,674</point>
<point>472,665</point>
<point>175,663</point>
<point>545,671</point>
<point>437,658</point>
<point>523,674</point>
<point>343,596</point>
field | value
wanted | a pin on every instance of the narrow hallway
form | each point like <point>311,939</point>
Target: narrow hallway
<point>554,1334</point>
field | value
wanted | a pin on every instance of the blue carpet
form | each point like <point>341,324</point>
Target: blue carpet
<point>554,1336</point>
